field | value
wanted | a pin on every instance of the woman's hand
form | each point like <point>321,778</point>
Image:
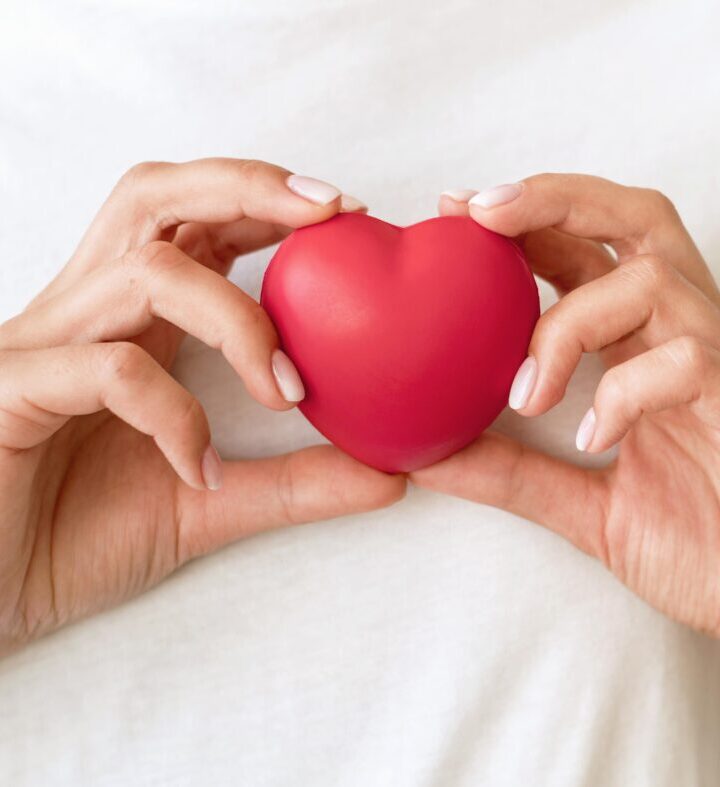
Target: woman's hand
<point>95,435</point>
<point>652,516</point>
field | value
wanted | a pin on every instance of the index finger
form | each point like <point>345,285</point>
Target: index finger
<point>315,483</point>
<point>565,261</point>
<point>153,198</point>
<point>632,220</point>
<point>582,205</point>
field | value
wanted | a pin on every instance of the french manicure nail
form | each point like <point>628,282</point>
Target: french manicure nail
<point>211,468</point>
<point>312,189</point>
<point>586,430</point>
<point>459,195</point>
<point>523,384</point>
<point>350,204</point>
<point>287,377</point>
<point>498,195</point>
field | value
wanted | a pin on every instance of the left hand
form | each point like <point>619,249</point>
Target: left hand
<point>108,480</point>
<point>652,516</point>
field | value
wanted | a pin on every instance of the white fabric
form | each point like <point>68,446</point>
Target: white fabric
<point>437,642</point>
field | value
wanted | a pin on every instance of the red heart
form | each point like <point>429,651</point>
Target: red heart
<point>407,339</point>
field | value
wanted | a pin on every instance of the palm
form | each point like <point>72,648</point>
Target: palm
<point>661,535</point>
<point>659,532</point>
<point>104,530</point>
<point>106,527</point>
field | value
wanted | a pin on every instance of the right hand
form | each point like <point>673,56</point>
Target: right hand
<point>652,516</point>
<point>106,463</point>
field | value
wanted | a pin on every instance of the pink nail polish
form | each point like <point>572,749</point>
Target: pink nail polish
<point>459,195</point>
<point>523,384</point>
<point>586,430</point>
<point>287,377</point>
<point>211,468</point>
<point>498,195</point>
<point>312,189</point>
<point>350,204</point>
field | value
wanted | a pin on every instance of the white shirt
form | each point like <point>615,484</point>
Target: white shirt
<point>437,642</point>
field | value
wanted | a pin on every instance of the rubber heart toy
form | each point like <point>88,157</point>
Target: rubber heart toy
<point>407,339</point>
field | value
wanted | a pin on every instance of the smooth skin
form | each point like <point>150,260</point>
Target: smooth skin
<point>653,515</point>
<point>108,479</point>
<point>106,467</point>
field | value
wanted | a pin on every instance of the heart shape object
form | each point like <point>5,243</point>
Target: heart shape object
<point>407,339</point>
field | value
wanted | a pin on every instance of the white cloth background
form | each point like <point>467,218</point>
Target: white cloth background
<point>438,642</point>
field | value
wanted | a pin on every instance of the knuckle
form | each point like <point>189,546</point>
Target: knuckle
<point>257,318</point>
<point>561,184</point>
<point>554,325</point>
<point>156,255</point>
<point>191,415</point>
<point>610,394</point>
<point>251,175</point>
<point>252,169</point>
<point>134,192</point>
<point>138,174</point>
<point>542,180</point>
<point>395,490</point>
<point>659,204</point>
<point>690,354</point>
<point>256,174</point>
<point>543,329</point>
<point>287,490</point>
<point>651,270</point>
<point>123,361</point>
<point>250,319</point>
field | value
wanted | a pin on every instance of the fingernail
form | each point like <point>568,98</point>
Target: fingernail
<point>523,384</point>
<point>350,204</point>
<point>287,377</point>
<point>498,195</point>
<point>459,195</point>
<point>211,468</point>
<point>316,191</point>
<point>586,430</point>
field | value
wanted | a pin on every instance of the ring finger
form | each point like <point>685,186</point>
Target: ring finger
<point>41,389</point>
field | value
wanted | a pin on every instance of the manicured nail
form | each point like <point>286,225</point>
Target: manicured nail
<point>459,195</point>
<point>211,468</point>
<point>586,430</point>
<point>523,384</point>
<point>498,195</point>
<point>316,191</point>
<point>350,204</point>
<point>287,377</point>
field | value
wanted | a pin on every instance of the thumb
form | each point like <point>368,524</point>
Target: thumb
<point>315,483</point>
<point>501,472</point>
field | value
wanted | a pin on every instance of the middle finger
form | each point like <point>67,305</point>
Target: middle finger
<point>154,198</point>
<point>645,297</point>
<point>120,300</point>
